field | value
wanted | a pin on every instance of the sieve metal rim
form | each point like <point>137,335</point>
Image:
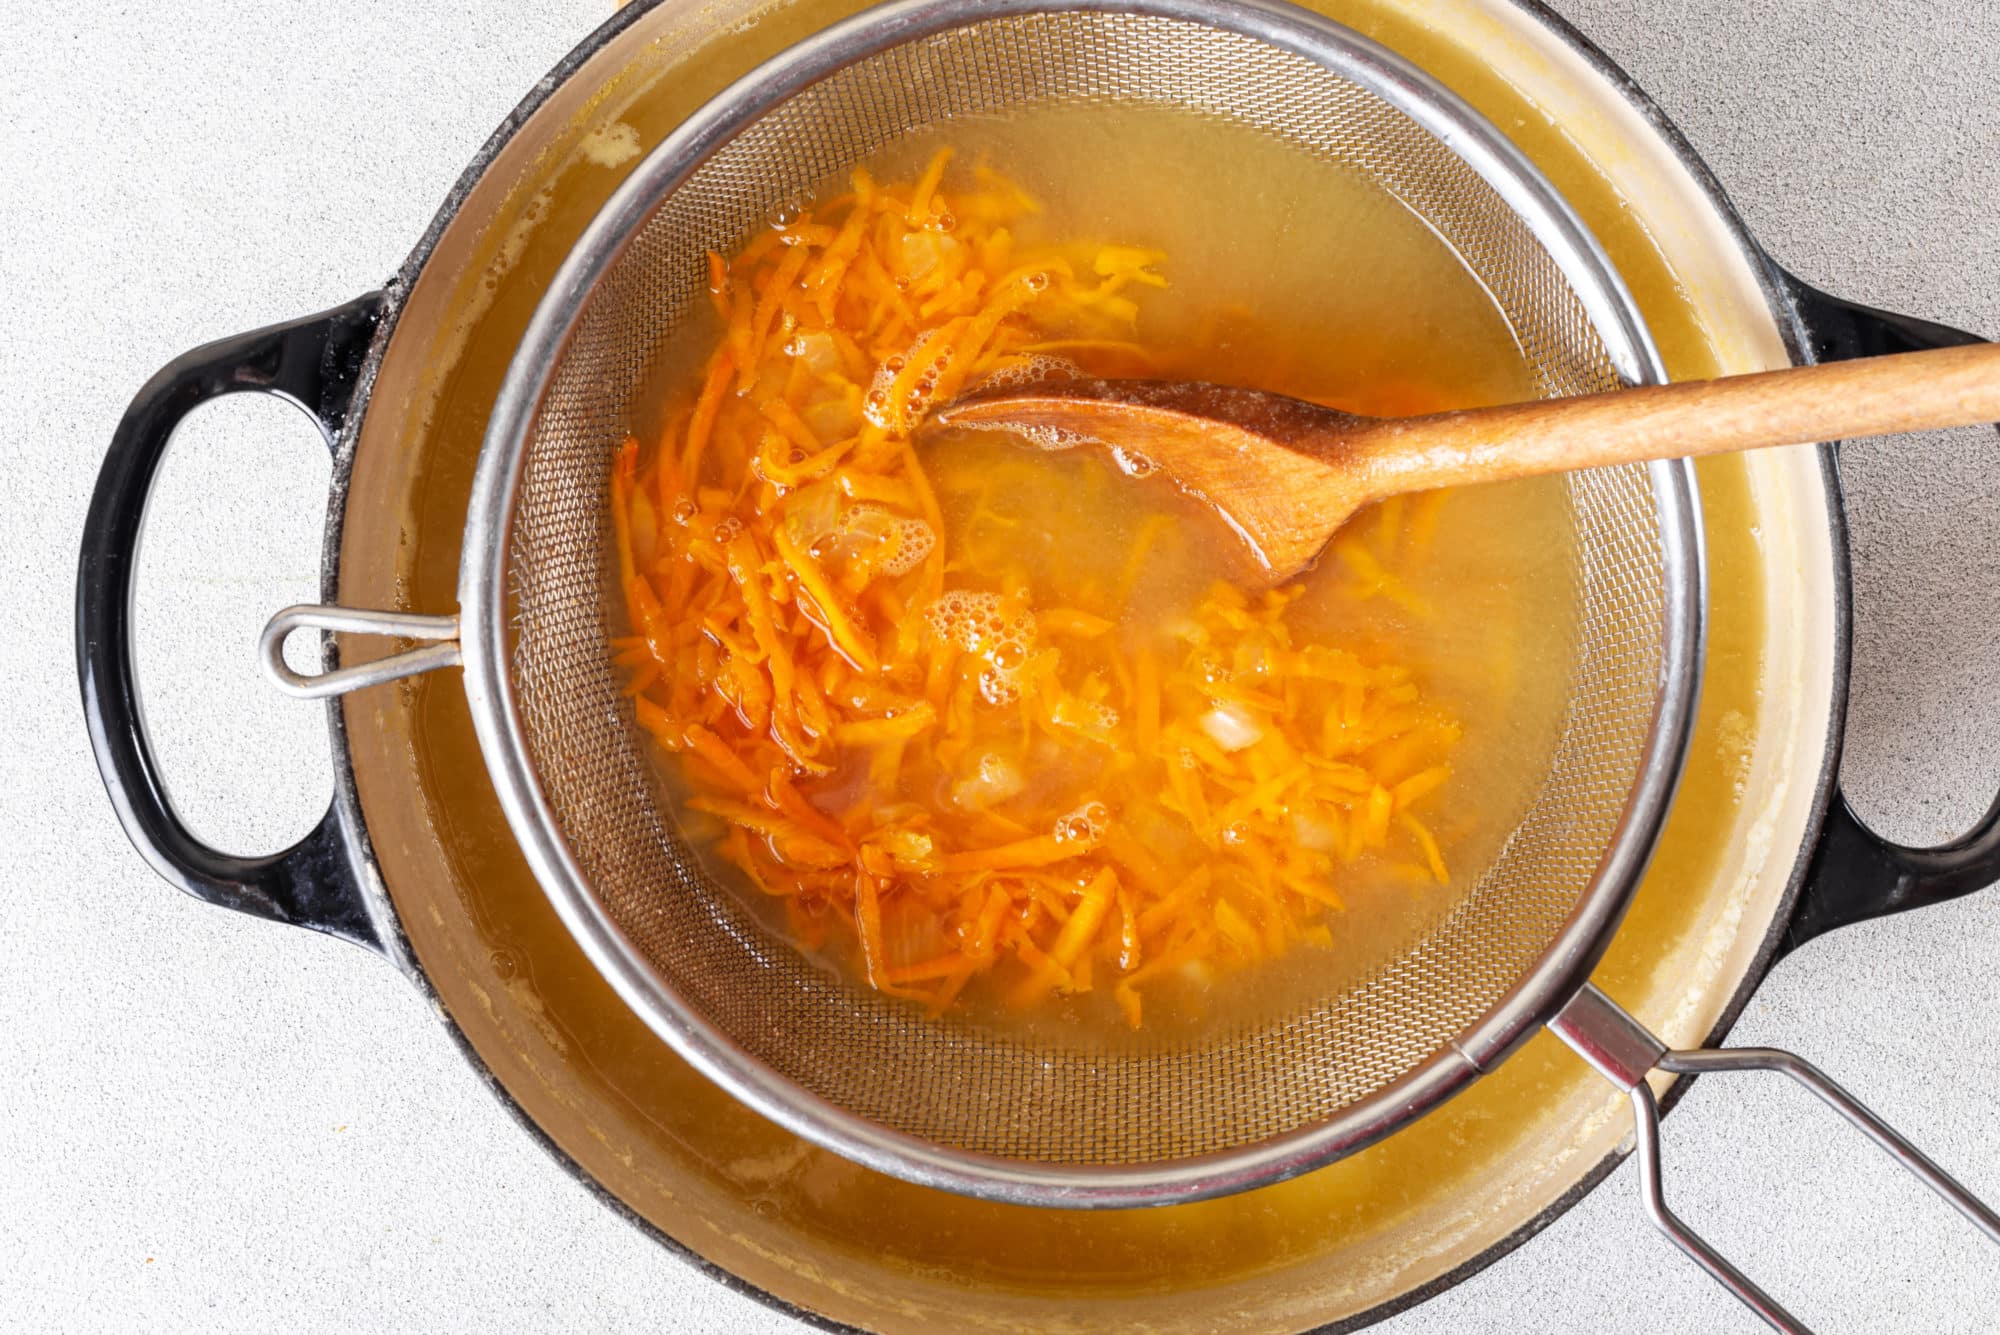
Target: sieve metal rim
<point>1563,968</point>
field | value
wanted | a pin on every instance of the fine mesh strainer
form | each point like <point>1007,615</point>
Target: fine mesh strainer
<point>1071,1117</point>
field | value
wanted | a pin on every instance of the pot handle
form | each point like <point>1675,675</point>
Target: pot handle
<point>1855,874</point>
<point>313,364</point>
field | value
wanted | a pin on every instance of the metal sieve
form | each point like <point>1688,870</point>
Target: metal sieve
<point>1061,1117</point>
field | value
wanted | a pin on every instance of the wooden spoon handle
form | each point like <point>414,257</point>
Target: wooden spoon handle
<point>1874,396</point>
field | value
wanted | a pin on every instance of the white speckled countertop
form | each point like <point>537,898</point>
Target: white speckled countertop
<point>211,1123</point>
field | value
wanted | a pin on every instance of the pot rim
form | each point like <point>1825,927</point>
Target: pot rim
<point>1782,302</point>
<point>394,943</point>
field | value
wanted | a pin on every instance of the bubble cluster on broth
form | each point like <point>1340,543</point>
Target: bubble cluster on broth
<point>983,723</point>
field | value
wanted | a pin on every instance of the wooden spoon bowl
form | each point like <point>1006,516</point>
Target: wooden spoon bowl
<point>1286,474</point>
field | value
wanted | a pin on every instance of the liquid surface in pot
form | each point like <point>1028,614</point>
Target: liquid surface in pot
<point>797,1220</point>
<point>1164,790</point>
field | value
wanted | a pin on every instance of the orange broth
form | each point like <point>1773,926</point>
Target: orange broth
<point>1001,727</point>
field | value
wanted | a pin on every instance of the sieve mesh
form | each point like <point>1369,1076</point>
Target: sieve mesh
<point>1065,1098</point>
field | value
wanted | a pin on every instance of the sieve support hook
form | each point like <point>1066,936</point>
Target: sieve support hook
<point>1625,1052</point>
<point>437,634</point>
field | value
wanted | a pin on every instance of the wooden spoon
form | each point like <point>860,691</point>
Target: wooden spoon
<point>1287,474</point>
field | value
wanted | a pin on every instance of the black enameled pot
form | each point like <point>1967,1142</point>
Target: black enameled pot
<point>333,881</point>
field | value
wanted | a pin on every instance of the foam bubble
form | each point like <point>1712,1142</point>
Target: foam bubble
<point>611,145</point>
<point>1083,825</point>
<point>899,542</point>
<point>1132,463</point>
<point>914,542</point>
<point>877,406</point>
<point>955,615</point>
<point>983,625</point>
<point>999,687</point>
<point>1039,369</point>
<point>1056,438</point>
<point>979,623</point>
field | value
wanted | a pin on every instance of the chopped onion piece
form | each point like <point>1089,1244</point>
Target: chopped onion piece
<point>812,512</point>
<point>994,779</point>
<point>1313,833</point>
<point>1232,727</point>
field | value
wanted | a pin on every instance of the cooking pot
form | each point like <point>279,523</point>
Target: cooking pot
<point>413,859</point>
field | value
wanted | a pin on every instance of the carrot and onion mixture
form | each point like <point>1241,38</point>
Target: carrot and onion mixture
<point>933,776</point>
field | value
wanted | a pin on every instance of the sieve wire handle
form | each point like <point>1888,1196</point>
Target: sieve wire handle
<point>1856,874</point>
<point>314,364</point>
<point>437,635</point>
<point>1625,1052</point>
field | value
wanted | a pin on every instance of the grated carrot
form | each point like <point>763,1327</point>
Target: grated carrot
<point>1089,916</point>
<point>1433,859</point>
<point>923,193</point>
<point>899,728</point>
<point>701,425</point>
<point>1049,810</point>
<point>710,748</point>
<point>841,629</point>
<point>1041,850</point>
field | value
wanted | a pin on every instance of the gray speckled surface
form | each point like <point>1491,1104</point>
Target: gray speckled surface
<point>212,1123</point>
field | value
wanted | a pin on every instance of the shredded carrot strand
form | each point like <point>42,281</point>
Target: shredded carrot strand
<point>702,424</point>
<point>1040,850</point>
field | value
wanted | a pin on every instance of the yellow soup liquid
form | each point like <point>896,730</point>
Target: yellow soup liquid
<point>801,1221</point>
<point>1036,734</point>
